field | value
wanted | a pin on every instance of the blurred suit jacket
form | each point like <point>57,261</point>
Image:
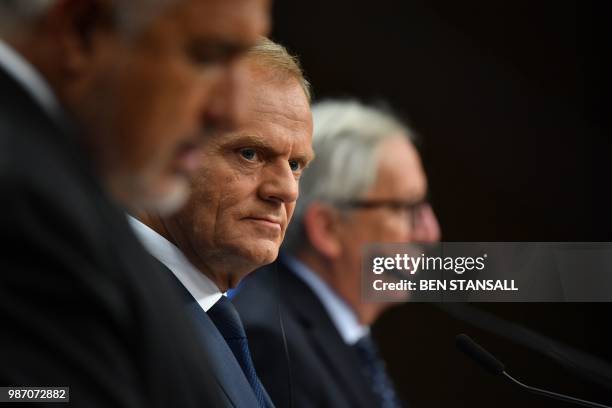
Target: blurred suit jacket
<point>323,370</point>
<point>81,302</point>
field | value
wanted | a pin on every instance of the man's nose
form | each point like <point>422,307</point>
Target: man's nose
<point>279,184</point>
<point>426,227</point>
<point>225,108</point>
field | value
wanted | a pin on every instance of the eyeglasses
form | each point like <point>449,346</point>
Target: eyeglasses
<point>410,208</point>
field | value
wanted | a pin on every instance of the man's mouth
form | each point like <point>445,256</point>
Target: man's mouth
<point>268,222</point>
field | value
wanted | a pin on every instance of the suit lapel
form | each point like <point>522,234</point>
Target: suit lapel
<point>267,398</point>
<point>227,371</point>
<point>323,335</point>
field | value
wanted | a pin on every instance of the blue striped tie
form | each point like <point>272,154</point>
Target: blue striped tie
<point>226,318</point>
<point>373,367</point>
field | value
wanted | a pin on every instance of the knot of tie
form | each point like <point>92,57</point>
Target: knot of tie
<point>226,318</point>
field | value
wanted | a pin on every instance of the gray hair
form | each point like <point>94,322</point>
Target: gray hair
<point>346,137</point>
<point>129,14</point>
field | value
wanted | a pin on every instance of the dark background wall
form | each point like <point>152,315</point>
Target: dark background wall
<point>510,100</point>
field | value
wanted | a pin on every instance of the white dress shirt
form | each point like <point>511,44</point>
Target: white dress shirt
<point>204,291</point>
<point>29,78</point>
<point>341,314</point>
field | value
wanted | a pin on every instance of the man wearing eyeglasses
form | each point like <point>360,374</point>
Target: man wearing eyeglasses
<point>366,185</point>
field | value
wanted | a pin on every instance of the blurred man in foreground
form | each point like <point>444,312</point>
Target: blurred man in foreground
<point>105,102</point>
<point>366,185</point>
<point>244,194</point>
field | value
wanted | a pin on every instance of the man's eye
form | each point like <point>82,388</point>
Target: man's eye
<point>248,154</point>
<point>213,53</point>
<point>206,55</point>
<point>199,55</point>
<point>294,165</point>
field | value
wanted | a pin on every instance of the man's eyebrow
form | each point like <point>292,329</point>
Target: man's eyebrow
<point>248,139</point>
<point>305,158</point>
<point>218,48</point>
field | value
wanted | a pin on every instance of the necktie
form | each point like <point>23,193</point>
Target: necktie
<point>225,316</point>
<point>374,370</point>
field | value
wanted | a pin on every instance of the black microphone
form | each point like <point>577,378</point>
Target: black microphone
<point>495,367</point>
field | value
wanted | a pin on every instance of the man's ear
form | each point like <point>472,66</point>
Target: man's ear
<point>321,223</point>
<point>79,28</point>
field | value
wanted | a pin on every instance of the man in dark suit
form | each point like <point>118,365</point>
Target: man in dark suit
<point>87,91</point>
<point>244,193</point>
<point>366,185</point>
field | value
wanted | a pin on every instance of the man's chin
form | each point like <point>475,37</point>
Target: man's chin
<point>264,252</point>
<point>261,252</point>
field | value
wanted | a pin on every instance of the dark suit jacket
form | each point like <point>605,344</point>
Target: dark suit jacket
<point>323,370</point>
<point>224,366</point>
<point>81,302</point>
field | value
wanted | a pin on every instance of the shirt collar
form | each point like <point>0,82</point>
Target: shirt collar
<point>29,78</point>
<point>343,317</point>
<point>204,291</point>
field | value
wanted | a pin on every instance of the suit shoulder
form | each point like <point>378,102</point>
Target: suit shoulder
<point>257,296</point>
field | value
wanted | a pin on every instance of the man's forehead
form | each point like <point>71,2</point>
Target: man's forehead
<point>400,172</point>
<point>280,100</point>
<point>281,115</point>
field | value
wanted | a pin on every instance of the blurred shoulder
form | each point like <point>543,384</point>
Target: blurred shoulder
<point>258,295</point>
